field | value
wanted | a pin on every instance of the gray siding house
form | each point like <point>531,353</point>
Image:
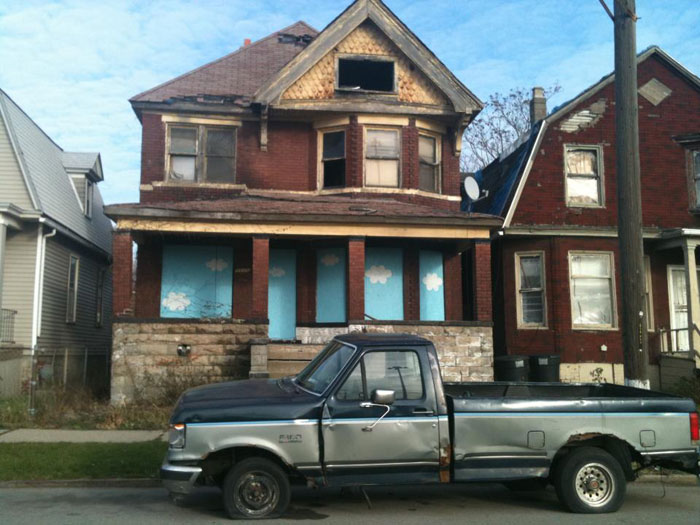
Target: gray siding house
<point>55,256</point>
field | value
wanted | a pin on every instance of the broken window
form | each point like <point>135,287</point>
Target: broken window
<point>592,285</point>
<point>333,159</point>
<point>530,286</point>
<point>365,74</point>
<point>583,181</point>
<point>429,176</point>
<point>202,154</point>
<point>382,154</point>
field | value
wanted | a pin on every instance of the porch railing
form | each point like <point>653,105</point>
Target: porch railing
<point>7,325</point>
<point>670,339</point>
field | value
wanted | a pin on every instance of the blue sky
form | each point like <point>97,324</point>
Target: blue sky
<point>73,64</point>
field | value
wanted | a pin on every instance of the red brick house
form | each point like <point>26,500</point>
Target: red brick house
<point>556,278</point>
<point>306,184</point>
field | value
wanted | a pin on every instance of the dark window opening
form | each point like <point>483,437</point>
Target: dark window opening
<point>334,159</point>
<point>366,75</point>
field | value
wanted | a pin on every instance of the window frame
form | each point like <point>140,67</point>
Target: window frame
<point>72,295</point>
<point>321,166</point>
<point>598,149</point>
<point>613,291</point>
<point>374,58</point>
<point>89,198</point>
<point>521,324</point>
<point>200,156</point>
<point>365,132</point>
<point>437,166</point>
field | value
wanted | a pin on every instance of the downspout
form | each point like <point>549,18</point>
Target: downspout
<point>39,282</point>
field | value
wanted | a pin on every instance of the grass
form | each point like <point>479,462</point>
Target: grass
<point>43,461</point>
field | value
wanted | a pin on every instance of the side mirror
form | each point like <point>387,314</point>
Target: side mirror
<point>383,397</point>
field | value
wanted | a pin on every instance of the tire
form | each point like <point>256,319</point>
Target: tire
<point>590,481</point>
<point>526,485</point>
<point>256,488</point>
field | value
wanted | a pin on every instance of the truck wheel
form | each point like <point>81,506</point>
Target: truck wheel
<point>590,481</point>
<point>256,488</point>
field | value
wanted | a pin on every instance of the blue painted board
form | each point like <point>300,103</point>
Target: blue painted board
<point>282,294</point>
<point>196,281</point>
<point>384,283</point>
<point>331,285</point>
<point>431,284</point>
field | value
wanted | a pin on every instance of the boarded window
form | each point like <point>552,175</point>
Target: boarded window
<point>583,181</point>
<point>429,177</point>
<point>382,155</point>
<point>202,154</point>
<point>72,289</point>
<point>333,159</point>
<point>384,283</point>
<point>366,75</point>
<point>592,296</point>
<point>530,289</point>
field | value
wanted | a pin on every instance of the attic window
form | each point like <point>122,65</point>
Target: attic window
<point>366,74</point>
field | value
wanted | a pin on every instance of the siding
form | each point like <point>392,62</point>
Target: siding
<point>14,190</point>
<point>55,332</point>
<point>18,282</point>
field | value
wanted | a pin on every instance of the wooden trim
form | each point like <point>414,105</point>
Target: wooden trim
<point>614,326</point>
<point>518,306</point>
<point>382,120</point>
<point>331,123</point>
<point>197,119</point>
<point>431,126</point>
<point>281,228</point>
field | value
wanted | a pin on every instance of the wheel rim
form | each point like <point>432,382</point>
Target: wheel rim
<point>594,484</point>
<point>256,494</point>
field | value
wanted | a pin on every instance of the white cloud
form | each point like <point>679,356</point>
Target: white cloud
<point>330,259</point>
<point>378,274</point>
<point>217,265</point>
<point>176,301</point>
<point>432,282</point>
<point>276,271</point>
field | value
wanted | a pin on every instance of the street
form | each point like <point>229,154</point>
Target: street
<point>478,503</point>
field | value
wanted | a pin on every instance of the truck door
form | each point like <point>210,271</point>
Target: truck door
<point>362,447</point>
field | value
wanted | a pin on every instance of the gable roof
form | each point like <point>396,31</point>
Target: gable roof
<point>506,177</point>
<point>463,100</point>
<point>240,73</point>
<point>53,193</point>
<point>84,163</point>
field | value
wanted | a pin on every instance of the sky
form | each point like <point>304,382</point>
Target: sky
<point>72,65</point>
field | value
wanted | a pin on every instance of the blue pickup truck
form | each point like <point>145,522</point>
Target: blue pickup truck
<point>373,410</point>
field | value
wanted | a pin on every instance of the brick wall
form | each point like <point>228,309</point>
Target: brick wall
<point>356,279</point>
<point>122,274</point>
<point>481,267</point>
<point>409,156</point>
<point>260,267</point>
<point>145,361</point>
<point>411,283</point>
<point>148,277</point>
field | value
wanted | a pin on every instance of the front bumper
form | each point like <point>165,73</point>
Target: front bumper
<point>179,479</point>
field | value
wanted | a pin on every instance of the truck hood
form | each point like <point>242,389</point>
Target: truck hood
<point>246,400</point>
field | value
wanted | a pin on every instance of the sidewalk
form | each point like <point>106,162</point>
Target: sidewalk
<point>39,435</point>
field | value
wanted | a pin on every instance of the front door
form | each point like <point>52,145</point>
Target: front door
<point>282,294</point>
<point>402,447</point>
<point>678,303</point>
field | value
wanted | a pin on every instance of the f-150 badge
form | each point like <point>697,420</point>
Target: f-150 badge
<point>290,438</point>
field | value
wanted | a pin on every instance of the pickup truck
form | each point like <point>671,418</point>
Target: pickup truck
<point>373,410</point>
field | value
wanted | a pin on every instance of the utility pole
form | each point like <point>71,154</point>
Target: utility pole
<point>629,197</point>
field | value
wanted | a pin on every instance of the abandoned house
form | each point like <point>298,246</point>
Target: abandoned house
<point>55,256</point>
<point>305,185</point>
<point>556,278</point>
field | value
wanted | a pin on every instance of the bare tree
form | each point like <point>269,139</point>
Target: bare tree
<point>502,121</point>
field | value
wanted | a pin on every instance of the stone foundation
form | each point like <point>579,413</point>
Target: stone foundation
<point>146,361</point>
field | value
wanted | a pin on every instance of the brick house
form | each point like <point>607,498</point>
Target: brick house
<point>304,185</point>
<point>556,283</point>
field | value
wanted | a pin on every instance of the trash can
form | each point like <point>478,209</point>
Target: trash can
<point>544,368</point>
<point>511,368</point>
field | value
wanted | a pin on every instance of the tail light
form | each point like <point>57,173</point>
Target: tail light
<point>694,427</point>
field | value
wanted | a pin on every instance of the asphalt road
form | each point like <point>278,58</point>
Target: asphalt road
<point>487,503</point>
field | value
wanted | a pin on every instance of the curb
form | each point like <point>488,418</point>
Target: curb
<point>83,483</point>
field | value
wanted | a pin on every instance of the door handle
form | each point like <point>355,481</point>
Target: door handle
<point>423,412</point>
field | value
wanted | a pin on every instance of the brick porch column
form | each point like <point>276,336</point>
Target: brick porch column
<point>356,279</point>
<point>454,310</point>
<point>122,274</point>
<point>481,264</point>
<point>260,267</point>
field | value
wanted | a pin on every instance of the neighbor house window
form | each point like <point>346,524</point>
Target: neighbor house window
<point>202,154</point>
<point>382,155</point>
<point>429,153</point>
<point>696,176</point>
<point>530,286</point>
<point>592,290</point>
<point>333,159</point>
<point>72,289</point>
<point>99,297</point>
<point>366,74</point>
<point>583,176</point>
<point>89,196</point>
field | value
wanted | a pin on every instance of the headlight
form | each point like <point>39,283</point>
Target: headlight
<point>176,436</point>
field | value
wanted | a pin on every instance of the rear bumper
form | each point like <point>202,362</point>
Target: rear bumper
<point>179,479</point>
<point>687,460</point>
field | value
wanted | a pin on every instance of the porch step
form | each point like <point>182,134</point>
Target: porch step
<point>284,359</point>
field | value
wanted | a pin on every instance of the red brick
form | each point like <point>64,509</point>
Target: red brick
<point>356,279</point>
<point>122,274</point>
<point>260,266</point>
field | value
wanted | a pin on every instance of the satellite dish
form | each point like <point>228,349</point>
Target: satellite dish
<point>471,187</point>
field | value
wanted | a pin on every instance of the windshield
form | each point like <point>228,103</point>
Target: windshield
<point>325,367</point>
